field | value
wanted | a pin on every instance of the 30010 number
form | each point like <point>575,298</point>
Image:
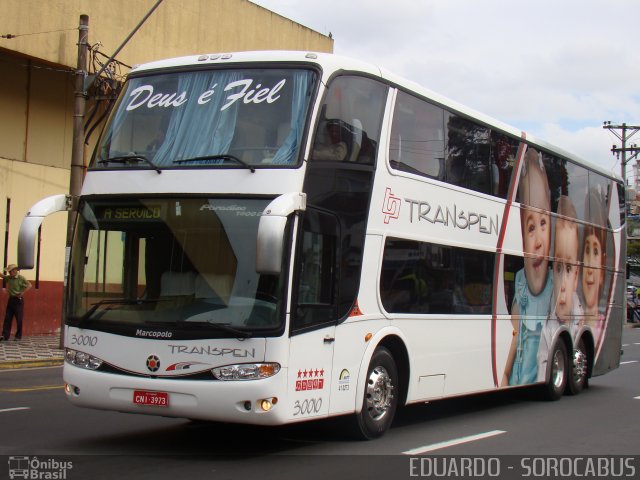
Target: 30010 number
<point>86,340</point>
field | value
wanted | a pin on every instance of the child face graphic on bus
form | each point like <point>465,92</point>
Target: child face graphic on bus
<point>593,269</point>
<point>594,261</point>
<point>565,268</point>
<point>536,223</point>
<point>533,289</point>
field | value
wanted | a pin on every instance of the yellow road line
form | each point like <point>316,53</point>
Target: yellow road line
<point>14,365</point>
<point>31,389</point>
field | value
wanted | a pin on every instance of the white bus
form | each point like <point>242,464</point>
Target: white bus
<point>275,237</point>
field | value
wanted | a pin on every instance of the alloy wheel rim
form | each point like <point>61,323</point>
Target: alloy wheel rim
<point>579,366</point>
<point>557,372</point>
<point>379,393</point>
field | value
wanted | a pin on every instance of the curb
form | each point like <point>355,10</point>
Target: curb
<point>54,362</point>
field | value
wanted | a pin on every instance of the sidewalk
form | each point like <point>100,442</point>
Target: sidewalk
<point>34,351</point>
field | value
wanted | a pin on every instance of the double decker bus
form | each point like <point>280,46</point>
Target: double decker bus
<point>274,237</point>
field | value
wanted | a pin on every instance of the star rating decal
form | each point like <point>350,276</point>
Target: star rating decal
<point>310,379</point>
<point>310,373</point>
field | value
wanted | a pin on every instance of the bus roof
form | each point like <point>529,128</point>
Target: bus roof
<point>331,63</point>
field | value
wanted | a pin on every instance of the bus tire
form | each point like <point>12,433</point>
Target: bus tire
<point>380,399</point>
<point>579,376</point>
<point>558,373</point>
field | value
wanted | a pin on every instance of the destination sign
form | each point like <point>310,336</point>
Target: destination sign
<point>133,212</point>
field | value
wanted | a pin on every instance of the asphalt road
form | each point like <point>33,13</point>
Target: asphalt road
<point>36,421</point>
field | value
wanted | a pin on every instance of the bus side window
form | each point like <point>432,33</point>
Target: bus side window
<point>503,154</point>
<point>317,270</point>
<point>468,161</point>
<point>348,128</point>
<point>417,137</point>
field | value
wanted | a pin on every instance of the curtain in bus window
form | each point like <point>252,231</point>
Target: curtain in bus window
<point>301,84</point>
<point>195,131</point>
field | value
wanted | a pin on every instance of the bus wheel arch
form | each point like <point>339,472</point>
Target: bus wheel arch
<point>385,385</point>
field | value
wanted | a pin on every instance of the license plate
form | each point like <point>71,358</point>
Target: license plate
<point>155,399</point>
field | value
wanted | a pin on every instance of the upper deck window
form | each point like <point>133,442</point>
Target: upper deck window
<point>417,137</point>
<point>429,141</point>
<point>231,118</point>
<point>348,128</point>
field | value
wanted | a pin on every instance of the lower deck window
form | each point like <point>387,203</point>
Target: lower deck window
<point>425,278</point>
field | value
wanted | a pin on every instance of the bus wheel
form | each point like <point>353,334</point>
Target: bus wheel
<point>578,379</point>
<point>380,396</point>
<point>558,374</point>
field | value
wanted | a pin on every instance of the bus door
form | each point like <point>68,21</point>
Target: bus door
<point>313,316</point>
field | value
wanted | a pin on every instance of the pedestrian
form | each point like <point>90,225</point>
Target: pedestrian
<point>17,285</point>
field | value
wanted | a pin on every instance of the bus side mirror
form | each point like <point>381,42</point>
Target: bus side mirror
<point>270,241</point>
<point>31,223</point>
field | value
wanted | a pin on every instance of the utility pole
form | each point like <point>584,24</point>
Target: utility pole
<point>624,133</point>
<point>82,84</point>
<point>77,152</point>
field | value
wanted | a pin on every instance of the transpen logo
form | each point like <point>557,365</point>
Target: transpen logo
<point>390,206</point>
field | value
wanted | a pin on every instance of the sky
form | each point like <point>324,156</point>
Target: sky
<point>556,69</point>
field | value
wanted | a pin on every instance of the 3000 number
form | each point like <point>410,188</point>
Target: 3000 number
<point>307,407</point>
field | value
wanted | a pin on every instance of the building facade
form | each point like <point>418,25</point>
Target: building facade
<point>38,60</point>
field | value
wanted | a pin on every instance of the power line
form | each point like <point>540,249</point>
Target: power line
<point>11,35</point>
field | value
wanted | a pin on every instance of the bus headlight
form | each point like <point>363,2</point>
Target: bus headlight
<point>246,371</point>
<point>82,360</point>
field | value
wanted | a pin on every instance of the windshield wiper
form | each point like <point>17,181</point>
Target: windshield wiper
<point>115,301</point>
<point>224,156</point>
<point>218,326</point>
<point>132,157</point>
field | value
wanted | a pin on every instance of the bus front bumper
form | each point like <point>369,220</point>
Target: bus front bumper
<point>257,402</point>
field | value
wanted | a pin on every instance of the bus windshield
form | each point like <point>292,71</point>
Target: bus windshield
<point>208,118</point>
<point>183,265</point>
